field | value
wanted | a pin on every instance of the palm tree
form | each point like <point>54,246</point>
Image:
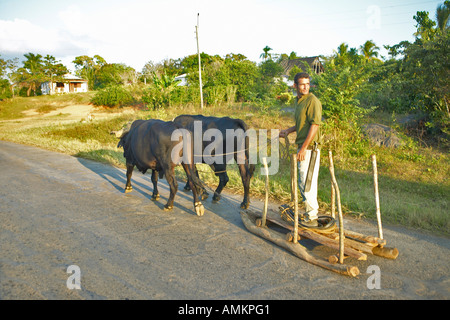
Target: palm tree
<point>32,71</point>
<point>370,51</point>
<point>342,50</point>
<point>341,55</point>
<point>266,53</point>
<point>442,16</point>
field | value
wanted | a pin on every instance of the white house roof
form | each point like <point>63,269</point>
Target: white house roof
<point>69,76</point>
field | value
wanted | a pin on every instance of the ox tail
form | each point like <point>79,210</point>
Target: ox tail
<point>127,153</point>
<point>123,140</point>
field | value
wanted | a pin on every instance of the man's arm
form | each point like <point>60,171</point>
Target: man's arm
<point>286,132</point>
<point>309,138</point>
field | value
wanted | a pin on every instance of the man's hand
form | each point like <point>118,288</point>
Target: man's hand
<point>286,132</point>
<point>301,154</point>
<point>283,134</point>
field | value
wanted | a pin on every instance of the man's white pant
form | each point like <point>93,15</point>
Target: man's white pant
<point>310,197</point>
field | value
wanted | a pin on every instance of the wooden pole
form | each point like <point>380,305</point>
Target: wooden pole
<point>266,200</point>
<point>341,220</point>
<point>377,198</point>
<point>199,62</point>
<point>333,200</point>
<point>292,181</point>
<point>294,187</point>
<point>295,248</point>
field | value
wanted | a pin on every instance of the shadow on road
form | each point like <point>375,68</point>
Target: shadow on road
<point>141,184</point>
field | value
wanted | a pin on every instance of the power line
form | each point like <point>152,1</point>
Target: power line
<point>381,7</point>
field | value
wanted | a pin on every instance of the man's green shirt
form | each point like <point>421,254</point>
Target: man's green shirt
<point>308,111</point>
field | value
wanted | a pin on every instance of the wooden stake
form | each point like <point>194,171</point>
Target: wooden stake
<point>333,200</point>
<point>377,198</point>
<point>266,200</point>
<point>294,185</point>
<point>341,220</point>
<point>292,180</point>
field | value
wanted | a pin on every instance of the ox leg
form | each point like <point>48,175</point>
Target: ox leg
<point>223,180</point>
<point>196,187</point>
<point>187,187</point>
<point>245,176</point>
<point>173,185</point>
<point>155,195</point>
<point>128,187</point>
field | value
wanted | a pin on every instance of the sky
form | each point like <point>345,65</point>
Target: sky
<point>135,32</point>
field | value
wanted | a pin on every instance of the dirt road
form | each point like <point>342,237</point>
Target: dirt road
<point>58,211</point>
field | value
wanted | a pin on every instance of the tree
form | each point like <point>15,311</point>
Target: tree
<point>344,56</point>
<point>293,55</point>
<point>32,72</point>
<point>114,74</point>
<point>442,16</point>
<point>159,93</point>
<point>370,51</point>
<point>87,67</point>
<point>419,80</point>
<point>425,26</point>
<point>266,55</point>
<point>53,70</point>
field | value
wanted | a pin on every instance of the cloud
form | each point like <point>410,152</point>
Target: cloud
<point>20,36</point>
<point>74,22</point>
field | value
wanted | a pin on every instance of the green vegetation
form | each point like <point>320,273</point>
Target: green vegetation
<point>112,96</point>
<point>356,88</point>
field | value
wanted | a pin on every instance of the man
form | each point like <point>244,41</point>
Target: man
<point>308,118</point>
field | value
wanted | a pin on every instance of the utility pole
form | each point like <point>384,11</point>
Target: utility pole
<point>199,62</point>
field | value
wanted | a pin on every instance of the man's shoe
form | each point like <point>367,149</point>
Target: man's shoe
<point>310,223</point>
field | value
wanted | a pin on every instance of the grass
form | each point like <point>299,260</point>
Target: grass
<point>413,181</point>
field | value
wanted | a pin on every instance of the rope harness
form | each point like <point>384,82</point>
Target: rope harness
<point>326,224</point>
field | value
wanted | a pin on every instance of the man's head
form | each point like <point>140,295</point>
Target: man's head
<point>301,83</point>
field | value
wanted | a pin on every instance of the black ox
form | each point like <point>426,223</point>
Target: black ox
<point>148,145</point>
<point>222,124</point>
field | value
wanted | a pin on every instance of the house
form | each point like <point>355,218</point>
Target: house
<point>70,84</point>
<point>182,78</point>
<point>287,64</point>
<point>313,62</point>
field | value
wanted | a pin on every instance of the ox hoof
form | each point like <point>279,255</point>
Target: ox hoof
<point>199,209</point>
<point>244,205</point>
<point>205,195</point>
<point>168,208</point>
<point>216,197</point>
<point>128,189</point>
<point>154,197</point>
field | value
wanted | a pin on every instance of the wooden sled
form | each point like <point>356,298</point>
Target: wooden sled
<point>355,245</point>
<point>348,243</point>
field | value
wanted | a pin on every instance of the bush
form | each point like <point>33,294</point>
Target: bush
<point>215,95</point>
<point>112,96</point>
<point>285,98</point>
